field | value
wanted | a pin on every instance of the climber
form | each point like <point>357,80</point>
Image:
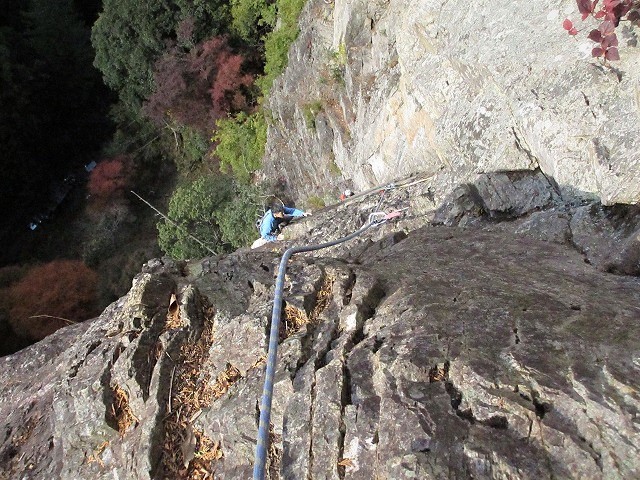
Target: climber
<point>276,218</point>
<point>346,194</point>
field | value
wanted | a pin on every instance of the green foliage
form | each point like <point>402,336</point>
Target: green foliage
<point>338,63</point>
<point>194,207</point>
<point>128,37</point>
<point>241,142</point>
<point>277,42</point>
<point>209,17</point>
<point>249,15</point>
<point>190,151</point>
<point>237,218</point>
<point>309,111</point>
<point>340,55</point>
<point>315,202</point>
<point>216,210</point>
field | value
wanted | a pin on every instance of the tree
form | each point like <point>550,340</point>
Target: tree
<point>131,35</point>
<point>51,296</point>
<point>216,210</point>
<point>194,89</point>
<point>240,144</point>
<point>193,208</point>
<point>110,178</point>
<point>237,218</point>
<point>252,18</point>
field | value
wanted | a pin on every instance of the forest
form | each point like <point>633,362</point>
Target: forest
<point>108,108</point>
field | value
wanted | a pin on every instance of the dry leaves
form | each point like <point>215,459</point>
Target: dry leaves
<point>294,320</point>
<point>120,411</point>
<point>322,298</point>
<point>439,373</point>
<point>188,453</point>
<point>225,379</point>
<point>346,462</point>
<point>95,455</point>
<point>173,314</point>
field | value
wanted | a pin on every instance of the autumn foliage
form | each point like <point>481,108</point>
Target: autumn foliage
<point>198,87</point>
<point>610,13</point>
<point>110,178</point>
<point>64,289</point>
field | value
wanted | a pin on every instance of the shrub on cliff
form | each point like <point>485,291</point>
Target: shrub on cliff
<point>277,42</point>
<point>51,296</point>
<point>240,144</point>
<point>610,13</point>
<point>192,210</point>
<point>211,214</point>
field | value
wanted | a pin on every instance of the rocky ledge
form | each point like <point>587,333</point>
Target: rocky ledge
<point>454,343</point>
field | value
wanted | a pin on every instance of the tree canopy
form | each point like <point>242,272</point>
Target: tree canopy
<point>131,35</point>
<point>215,210</point>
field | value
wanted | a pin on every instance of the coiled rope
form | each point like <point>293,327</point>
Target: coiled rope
<point>262,447</point>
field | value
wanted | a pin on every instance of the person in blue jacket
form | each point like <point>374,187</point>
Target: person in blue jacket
<point>278,215</point>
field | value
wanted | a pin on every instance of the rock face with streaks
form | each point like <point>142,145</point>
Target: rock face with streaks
<point>480,339</point>
<point>490,331</point>
<point>379,89</point>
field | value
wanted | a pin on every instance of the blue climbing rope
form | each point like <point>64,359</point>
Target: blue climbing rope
<point>262,447</point>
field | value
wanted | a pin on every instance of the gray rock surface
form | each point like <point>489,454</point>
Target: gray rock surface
<point>474,350</point>
<point>455,88</point>
<point>489,332</point>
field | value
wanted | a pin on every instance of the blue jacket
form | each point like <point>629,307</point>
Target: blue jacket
<point>269,224</point>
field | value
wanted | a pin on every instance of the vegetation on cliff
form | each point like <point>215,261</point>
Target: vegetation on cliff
<point>186,125</point>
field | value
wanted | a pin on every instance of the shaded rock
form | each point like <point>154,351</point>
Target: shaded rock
<point>435,355</point>
<point>609,236</point>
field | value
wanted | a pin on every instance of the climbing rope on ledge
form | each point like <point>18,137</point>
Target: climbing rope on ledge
<point>376,218</point>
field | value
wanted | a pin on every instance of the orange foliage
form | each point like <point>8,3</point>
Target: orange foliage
<point>110,178</point>
<point>62,288</point>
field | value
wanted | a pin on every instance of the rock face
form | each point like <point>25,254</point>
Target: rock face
<point>379,89</point>
<point>489,332</point>
<point>455,342</point>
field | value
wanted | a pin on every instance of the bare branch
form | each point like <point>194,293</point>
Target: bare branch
<point>200,242</point>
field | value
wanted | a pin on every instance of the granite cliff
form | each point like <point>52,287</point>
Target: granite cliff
<point>491,331</point>
<point>380,89</point>
<point>456,342</point>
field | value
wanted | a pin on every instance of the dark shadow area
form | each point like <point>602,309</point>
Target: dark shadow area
<point>531,203</point>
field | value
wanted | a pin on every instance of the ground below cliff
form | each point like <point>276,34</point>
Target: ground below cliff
<point>484,338</point>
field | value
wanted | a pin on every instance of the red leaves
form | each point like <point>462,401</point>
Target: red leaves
<point>197,88</point>
<point>109,179</point>
<point>51,296</point>
<point>611,13</point>
<point>612,54</point>
<point>568,26</point>
<point>595,35</point>
<point>607,28</point>
<point>586,7</point>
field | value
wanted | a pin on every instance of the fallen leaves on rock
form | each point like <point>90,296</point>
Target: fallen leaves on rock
<point>121,412</point>
<point>173,314</point>
<point>187,452</point>
<point>346,462</point>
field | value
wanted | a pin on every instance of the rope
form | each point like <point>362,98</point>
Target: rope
<point>375,218</point>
